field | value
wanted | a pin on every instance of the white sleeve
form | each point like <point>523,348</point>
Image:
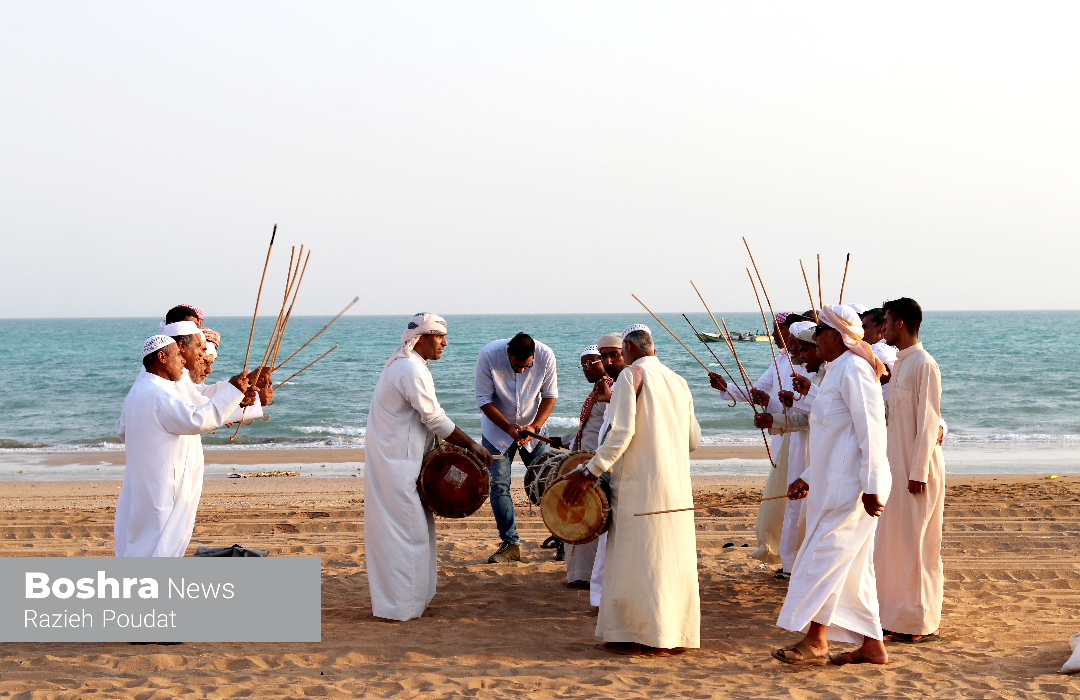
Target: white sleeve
<point>419,391</point>
<point>180,418</point>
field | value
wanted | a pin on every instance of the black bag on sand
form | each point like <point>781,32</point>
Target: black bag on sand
<point>234,551</point>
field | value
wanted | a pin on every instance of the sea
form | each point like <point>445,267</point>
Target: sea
<point>1009,390</point>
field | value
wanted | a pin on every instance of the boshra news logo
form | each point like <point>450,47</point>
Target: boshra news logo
<point>39,586</point>
<point>166,599</point>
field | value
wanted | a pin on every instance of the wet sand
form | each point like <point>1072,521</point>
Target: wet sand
<point>1012,600</point>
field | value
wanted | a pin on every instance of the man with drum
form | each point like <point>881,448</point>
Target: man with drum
<point>650,599</point>
<point>405,417</point>
<point>516,388</point>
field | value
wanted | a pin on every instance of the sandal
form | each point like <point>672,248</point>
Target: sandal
<point>910,638</point>
<point>809,658</point>
<point>849,657</point>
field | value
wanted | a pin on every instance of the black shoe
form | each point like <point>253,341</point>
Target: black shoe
<point>560,552</point>
<point>550,543</point>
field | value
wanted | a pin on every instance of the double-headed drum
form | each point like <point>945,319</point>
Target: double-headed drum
<point>453,482</point>
<point>581,523</point>
<point>546,471</point>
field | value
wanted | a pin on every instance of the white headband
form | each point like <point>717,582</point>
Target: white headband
<point>155,343</point>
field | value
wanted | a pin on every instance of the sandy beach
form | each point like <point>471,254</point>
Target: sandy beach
<point>1012,600</point>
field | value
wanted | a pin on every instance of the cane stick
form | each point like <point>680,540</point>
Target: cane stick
<point>772,312</point>
<point>288,314</point>
<point>347,307</point>
<point>808,293</point>
<point>281,314</point>
<point>307,365</point>
<point>847,262</point>
<point>719,505</point>
<point>733,401</point>
<point>776,365</point>
<point>672,333</point>
<point>820,303</point>
<point>257,298</point>
<point>749,394</point>
<point>726,337</point>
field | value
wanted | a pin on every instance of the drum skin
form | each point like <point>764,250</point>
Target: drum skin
<point>542,474</point>
<point>453,483</point>
<point>579,524</point>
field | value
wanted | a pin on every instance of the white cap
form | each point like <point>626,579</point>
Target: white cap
<point>636,327</point>
<point>804,331</point>
<point>860,308</point>
<point>155,343</point>
<point>591,350</point>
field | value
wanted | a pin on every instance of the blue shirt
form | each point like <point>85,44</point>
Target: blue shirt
<point>517,396</point>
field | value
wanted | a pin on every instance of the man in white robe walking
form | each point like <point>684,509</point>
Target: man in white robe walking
<point>832,594</point>
<point>161,429</point>
<point>911,577</point>
<point>650,596</point>
<point>405,418</point>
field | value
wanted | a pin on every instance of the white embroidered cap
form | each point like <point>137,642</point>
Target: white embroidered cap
<point>636,327</point>
<point>591,350</point>
<point>155,343</point>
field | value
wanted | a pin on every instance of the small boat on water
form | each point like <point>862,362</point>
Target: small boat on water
<point>735,337</point>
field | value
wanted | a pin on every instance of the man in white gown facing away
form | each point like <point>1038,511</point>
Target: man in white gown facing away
<point>405,417</point>
<point>161,430</point>
<point>650,590</point>
<point>833,591</point>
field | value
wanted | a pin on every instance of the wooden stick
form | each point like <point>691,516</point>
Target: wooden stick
<point>672,333</point>
<point>820,303</point>
<point>776,365</point>
<point>275,337</point>
<point>749,394</point>
<point>733,401</point>
<point>349,306</point>
<point>257,297</point>
<point>719,505</point>
<point>772,312</point>
<point>288,315</point>
<point>847,262</point>
<point>726,337</point>
<point>307,365</point>
<point>808,293</point>
<point>541,438</point>
<point>281,314</point>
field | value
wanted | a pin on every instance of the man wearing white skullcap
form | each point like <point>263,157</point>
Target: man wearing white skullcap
<point>650,587</point>
<point>832,594</point>
<point>161,430</point>
<point>580,557</point>
<point>404,419</point>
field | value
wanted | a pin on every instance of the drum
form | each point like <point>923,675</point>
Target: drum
<point>578,524</point>
<point>453,482</point>
<point>545,471</point>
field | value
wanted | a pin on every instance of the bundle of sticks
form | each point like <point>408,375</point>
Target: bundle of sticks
<point>261,376</point>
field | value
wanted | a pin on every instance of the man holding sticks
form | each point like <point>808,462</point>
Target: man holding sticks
<point>650,598</point>
<point>405,418</point>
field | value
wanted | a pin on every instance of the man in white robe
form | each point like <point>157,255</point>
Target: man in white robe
<point>911,577</point>
<point>650,597</point>
<point>194,348</point>
<point>580,557</point>
<point>160,429</point>
<point>611,355</point>
<point>795,453</point>
<point>833,591</point>
<point>405,418</point>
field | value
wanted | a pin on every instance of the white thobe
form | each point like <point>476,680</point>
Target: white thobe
<point>911,580</point>
<point>833,582</point>
<point>596,580</point>
<point>581,557</point>
<point>161,432</point>
<point>399,531</point>
<point>650,576</point>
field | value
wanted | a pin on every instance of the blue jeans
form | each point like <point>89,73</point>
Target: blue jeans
<point>502,505</point>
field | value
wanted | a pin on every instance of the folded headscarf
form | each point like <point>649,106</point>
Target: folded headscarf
<point>846,320</point>
<point>804,331</point>
<point>211,336</point>
<point>859,308</point>
<point>885,352</point>
<point>182,328</point>
<point>781,317</point>
<point>420,324</point>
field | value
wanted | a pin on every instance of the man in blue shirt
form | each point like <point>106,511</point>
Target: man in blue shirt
<point>516,388</point>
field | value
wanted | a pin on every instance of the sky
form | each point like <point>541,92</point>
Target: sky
<point>494,157</point>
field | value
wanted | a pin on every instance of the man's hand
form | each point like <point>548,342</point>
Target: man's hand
<point>579,482</point>
<point>764,421</point>
<point>266,394</point>
<point>512,430</point>
<point>940,435</point>
<point>798,489</point>
<point>241,381</point>
<point>717,382</point>
<point>872,505</point>
<point>481,452</point>
<point>800,383</point>
<point>787,398</point>
<point>602,391</point>
<point>916,487</point>
<point>759,397</point>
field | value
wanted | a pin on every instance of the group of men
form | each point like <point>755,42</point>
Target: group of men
<point>167,410</point>
<point>853,402</point>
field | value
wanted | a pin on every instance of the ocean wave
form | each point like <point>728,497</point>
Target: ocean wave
<point>1011,437</point>
<point>351,430</point>
<point>557,422</point>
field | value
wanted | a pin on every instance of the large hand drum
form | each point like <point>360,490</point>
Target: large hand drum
<point>453,482</point>
<point>581,523</point>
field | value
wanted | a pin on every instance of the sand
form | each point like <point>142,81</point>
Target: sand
<point>1012,600</point>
